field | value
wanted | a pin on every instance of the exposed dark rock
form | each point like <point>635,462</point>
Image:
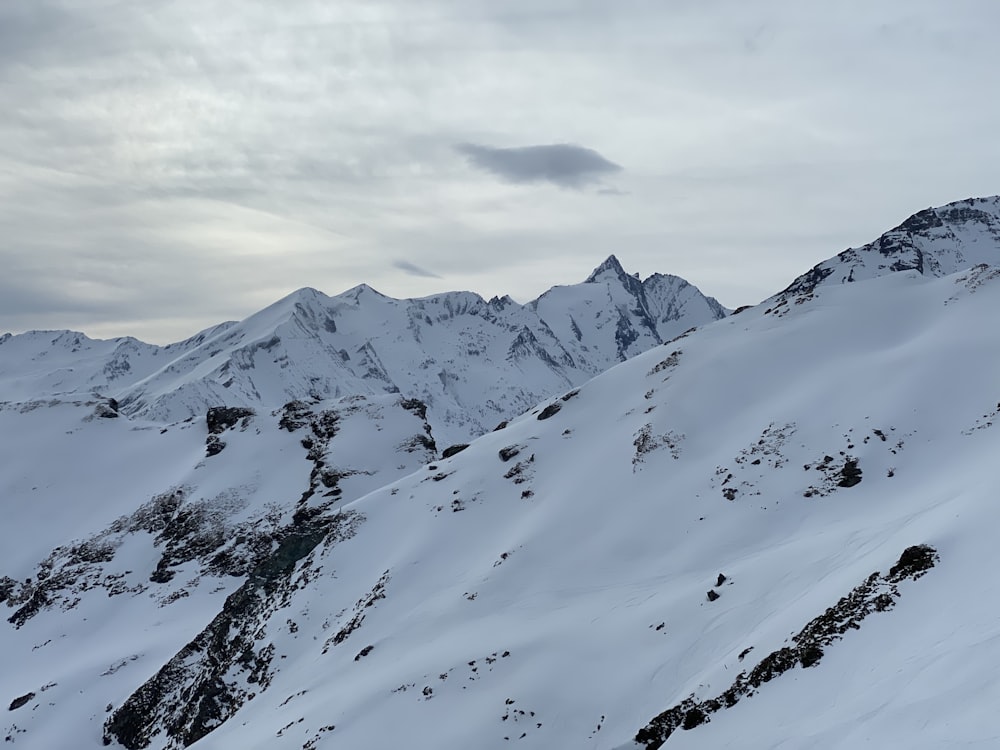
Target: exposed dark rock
<point>850,475</point>
<point>182,532</point>
<point>506,454</point>
<point>810,654</point>
<point>294,414</point>
<point>807,283</point>
<point>419,443</point>
<point>521,471</point>
<point>213,446</point>
<point>105,411</point>
<point>7,586</point>
<point>221,418</point>
<point>195,691</point>
<point>876,594</point>
<point>369,600</point>
<point>550,410</point>
<point>269,344</point>
<point>720,580</point>
<point>451,450</point>
<point>712,595</point>
<point>693,718</point>
<point>921,221</point>
<point>500,426</point>
<point>162,573</point>
<point>625,333</point>
<point>834,474</point>
<point>913,563</point>
<point>415,405</point>
<point>18,702</point>
<point>669,363</point>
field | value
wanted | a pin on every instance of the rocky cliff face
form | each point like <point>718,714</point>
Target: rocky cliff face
<point>224,510</point>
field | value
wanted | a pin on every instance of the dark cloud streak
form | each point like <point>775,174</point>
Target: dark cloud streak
<point>562,164</point>
<point>414,270</point>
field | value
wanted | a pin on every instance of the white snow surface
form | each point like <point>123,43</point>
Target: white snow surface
<point>611,544</point>
<point>546,586</point>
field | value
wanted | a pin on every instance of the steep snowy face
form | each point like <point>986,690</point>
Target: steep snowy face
<point>620,316</point>
<point>121,539</point>
<point>933,242</point>
<point>473,362</point>
<point>748,532</point>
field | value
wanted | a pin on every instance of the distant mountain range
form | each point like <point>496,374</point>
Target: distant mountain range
<point>472,362</point>
<point>767,529</point>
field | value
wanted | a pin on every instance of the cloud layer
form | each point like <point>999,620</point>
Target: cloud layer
<point>165,166</point>
<point>562,164</point>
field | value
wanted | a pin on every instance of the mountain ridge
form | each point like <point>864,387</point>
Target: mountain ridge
<point>474,362</point>
<point>934,241</point>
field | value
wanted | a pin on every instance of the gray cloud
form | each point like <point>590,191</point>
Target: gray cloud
<point>414,270</point>
<point>562,164</point>
<point>166,165</point>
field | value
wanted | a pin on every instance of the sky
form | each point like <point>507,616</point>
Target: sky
<point>169,164</point>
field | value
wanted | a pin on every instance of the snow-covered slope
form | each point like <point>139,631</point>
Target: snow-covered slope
<point>773,531</point>
<point>548,585</point>
<point>122,538</point>
<point>473,362</point>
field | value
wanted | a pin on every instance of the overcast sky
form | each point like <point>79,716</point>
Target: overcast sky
<point>169,164</point>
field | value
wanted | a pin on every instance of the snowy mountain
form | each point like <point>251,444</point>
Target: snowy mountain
<point>473,362</point>
<point>772,531</point>
<point>149,528</point>
<point>934,242</point>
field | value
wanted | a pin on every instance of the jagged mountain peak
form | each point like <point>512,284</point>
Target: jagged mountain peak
<point>933,242</point>
<point>501,302</point>
<point>356,293</point>
<point>611,265</point>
